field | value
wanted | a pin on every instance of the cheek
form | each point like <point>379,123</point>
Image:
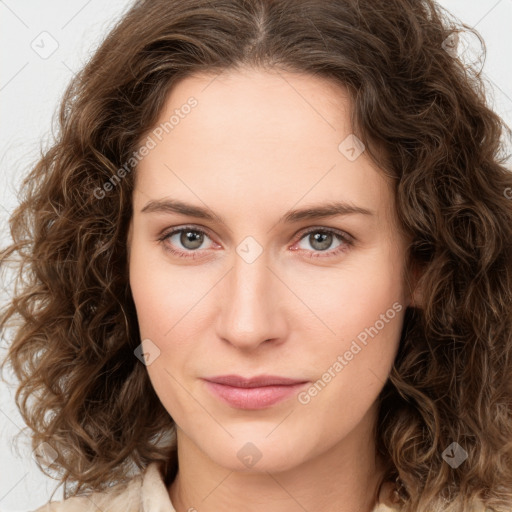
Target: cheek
<point>166,300</point>
<point>353,297</point>
<point>374,302</point>
<point>161,302</point>
<point>160,293</point>
<point>149,301</point>
<point>355,362</point>
<point>359,315</point>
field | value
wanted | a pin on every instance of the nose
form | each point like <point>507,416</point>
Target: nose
<point>252,305</point>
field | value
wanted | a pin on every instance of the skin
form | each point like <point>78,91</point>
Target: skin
<point>258,144</point>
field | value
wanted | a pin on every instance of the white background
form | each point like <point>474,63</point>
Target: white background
<point>30,89</point>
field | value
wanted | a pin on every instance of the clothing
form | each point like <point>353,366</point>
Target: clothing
<point>147,492</point>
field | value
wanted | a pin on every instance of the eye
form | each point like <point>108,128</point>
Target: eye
<point>188,237</point>
<point>320,239</point>
<point>191,238</point>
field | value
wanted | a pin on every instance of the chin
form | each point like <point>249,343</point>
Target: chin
<point>254,456</point>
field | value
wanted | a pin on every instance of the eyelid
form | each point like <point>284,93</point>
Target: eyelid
<point>298,235</point>
<point>166,233</point>
<point>337,231</point>
<point>346,238</point>
<point>347,242</point>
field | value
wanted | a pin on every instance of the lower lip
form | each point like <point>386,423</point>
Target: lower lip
<point>253,398</point>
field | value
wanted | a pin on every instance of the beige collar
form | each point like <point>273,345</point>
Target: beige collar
<point>154,494</point>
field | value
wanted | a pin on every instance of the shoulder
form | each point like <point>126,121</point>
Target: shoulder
<point>119,498</point>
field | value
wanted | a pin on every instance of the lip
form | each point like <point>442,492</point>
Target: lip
<point>256,392</point>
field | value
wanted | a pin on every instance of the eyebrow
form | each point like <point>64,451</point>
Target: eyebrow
<point>330,209</point>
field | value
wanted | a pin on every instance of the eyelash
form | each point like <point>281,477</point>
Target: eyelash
<point>347,242</point>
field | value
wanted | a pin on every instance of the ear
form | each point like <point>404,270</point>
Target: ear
<point>129,236</point>
<point>415,287</point>
<point>417,298</point>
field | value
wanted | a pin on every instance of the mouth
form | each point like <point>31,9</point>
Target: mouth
<point>254,393</point>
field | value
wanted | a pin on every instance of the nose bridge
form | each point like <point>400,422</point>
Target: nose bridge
<point>248,311</point>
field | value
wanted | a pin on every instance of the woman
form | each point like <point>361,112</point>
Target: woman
<point>267,266</point>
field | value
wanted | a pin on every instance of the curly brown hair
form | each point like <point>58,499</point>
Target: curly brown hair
<point>424,119</point>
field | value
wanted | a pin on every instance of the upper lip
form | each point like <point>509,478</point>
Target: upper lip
<point>253,382</point>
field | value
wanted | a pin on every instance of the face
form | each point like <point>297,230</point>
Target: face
<point>233,273</point>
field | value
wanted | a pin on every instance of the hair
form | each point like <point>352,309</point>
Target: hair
<point>423,116</point>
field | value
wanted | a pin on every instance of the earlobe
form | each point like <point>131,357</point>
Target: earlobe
<point>415,288</point>
<point>417,298</point>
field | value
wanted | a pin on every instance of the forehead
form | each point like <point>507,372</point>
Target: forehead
<point>270,107</point>
<point>254,134</point>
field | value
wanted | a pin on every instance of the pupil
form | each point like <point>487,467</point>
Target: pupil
<point>323,244</point>
<point>191,239</point>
